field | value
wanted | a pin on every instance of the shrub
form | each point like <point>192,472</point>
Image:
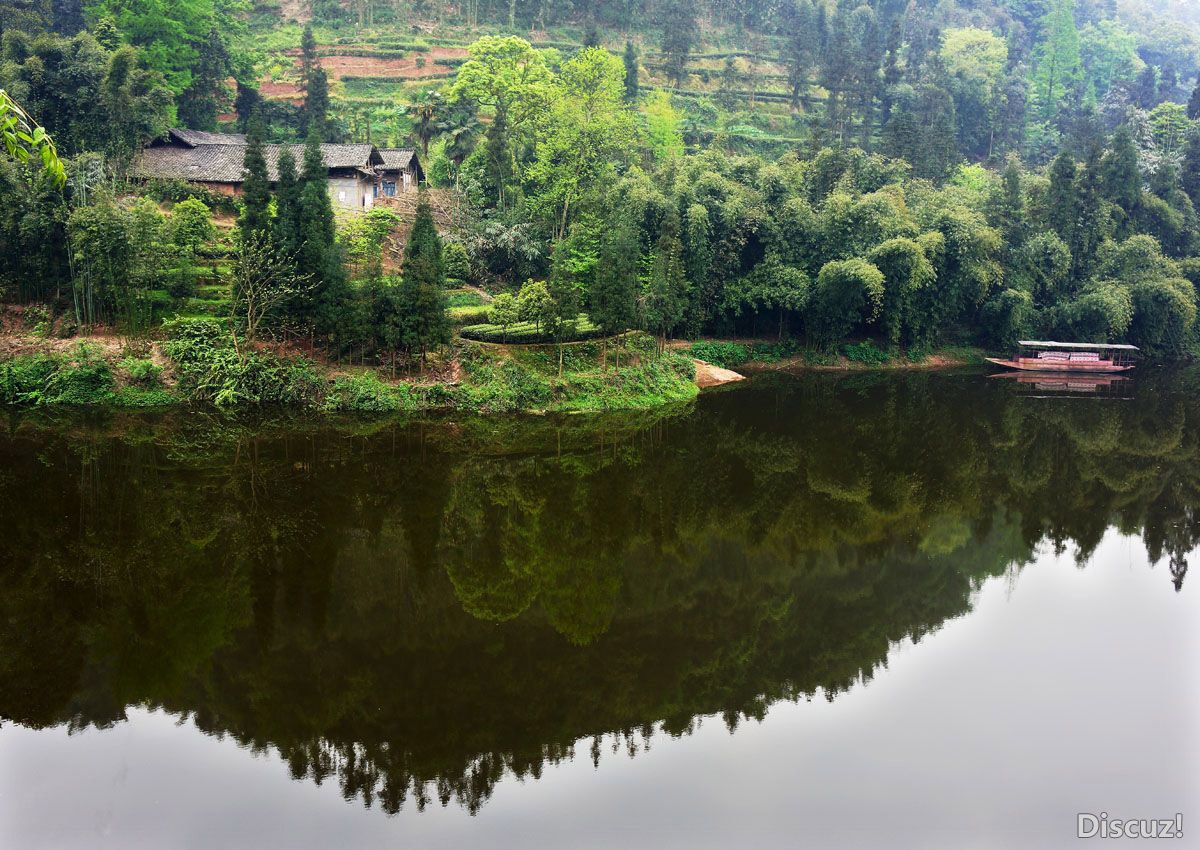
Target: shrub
<point>772,352</point>
<point>529,332</point>
<point>181,190</point>
<point>865,352</point>
<point>210,369</point>
<point>457,264</point>
<point>142,372</point>
<point>23,379</point>
<point>81,378</point>
<point>469,315</point>
<point>463,298</point>
<point>504,387</point>
<point>723,354</point>
<point>191,224</point>
<point>848,294</point>
<point>366,393</point>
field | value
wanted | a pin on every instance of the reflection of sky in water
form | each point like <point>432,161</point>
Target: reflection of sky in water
<point>1072,690</point>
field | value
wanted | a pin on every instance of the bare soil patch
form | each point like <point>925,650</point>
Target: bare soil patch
<point>375,66</point>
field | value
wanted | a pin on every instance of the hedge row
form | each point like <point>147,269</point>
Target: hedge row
<point>366,52</point>
<point>351,78</point>
<point>527,333</point>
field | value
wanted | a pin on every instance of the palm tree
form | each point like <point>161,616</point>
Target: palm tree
<point>462,126</point>
<point>425,114</point>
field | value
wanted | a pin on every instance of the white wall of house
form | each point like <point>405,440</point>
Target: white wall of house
<point>351,193</point>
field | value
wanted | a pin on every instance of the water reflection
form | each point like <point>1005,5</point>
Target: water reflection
<point>417,610</point>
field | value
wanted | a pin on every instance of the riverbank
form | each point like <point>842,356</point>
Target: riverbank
<point>197,362</point>
<point>749,356</point>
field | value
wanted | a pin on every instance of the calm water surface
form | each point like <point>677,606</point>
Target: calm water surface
<point>933,610</point>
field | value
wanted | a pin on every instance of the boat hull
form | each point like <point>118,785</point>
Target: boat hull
<point>1026,364</point>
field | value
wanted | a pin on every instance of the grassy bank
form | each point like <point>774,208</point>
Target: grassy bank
<point>791,354</point>
<point>200,364</point>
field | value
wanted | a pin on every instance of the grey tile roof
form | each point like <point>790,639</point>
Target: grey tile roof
<point>224,163</point>
<point>191,138</point>
<point>395,159</point>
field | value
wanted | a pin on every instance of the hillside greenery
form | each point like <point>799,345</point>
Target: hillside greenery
<point>821,172</point>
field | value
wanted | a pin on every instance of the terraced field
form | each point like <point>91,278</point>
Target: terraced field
<point>376,73</point>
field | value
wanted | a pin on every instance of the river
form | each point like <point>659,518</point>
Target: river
<point>870,610</point>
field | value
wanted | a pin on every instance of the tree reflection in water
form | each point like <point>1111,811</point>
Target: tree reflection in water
<point>418,609</point>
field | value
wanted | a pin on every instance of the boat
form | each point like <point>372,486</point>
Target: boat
<point>1038,356</point>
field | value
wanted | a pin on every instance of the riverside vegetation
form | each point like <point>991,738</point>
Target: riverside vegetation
<point>849,180</point>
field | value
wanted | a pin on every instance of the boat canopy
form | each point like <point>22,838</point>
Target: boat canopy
<point>1082,346</point>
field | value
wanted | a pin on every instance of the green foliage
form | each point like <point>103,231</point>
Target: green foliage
<point>1058,66</point>
<point>526,332</point>
<point>503,312</point>
<point>177,191</point>
<point>142,372</point>
<point>848,295</point>
<point>505,386</point>
<point>866,353</point>
<point>464,298</point>
<point>1009,317</point>
<point>192,225</point>
<point>362,237</point>
<point>210,368</point>
<point>625,184</point>
<point>422,299</point>
<point>457,262</point>
<point>24,137</point>
<point>255,219</point>
<point>366,393</point>
<point>724,354</point>
<point>169,34</point>
<point>79,378</point>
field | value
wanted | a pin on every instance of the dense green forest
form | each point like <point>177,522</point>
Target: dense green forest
<point>913,174</point>
<point>415,611</point>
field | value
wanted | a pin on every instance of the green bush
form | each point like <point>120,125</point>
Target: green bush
<point>23,379</point>
<point>142,372</point>
<point>650,382</point>
<point>865,352</point>
<point>472,316</point>
<point>723,354</point>
<point>506,386</point>
<point>727,355</point>
<point>142,397</point>
<point>456,261</point>
<point>773,352</point>
<point>210,369</point>
<point>181,190</point>
<point>366,393</point>
<point>463,298</point>
<point>526,333</point>
<point>81,378</point>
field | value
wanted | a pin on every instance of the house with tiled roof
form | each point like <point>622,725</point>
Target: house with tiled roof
<point>357,173</point>
<point>401,171</point>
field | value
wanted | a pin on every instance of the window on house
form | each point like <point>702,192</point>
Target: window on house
<point>389,188</point>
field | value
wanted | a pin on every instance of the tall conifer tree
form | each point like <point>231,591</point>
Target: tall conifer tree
<point>422,295</point>
<point>632,85</point>
<point>256,187</point>
<point>285,229</point>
